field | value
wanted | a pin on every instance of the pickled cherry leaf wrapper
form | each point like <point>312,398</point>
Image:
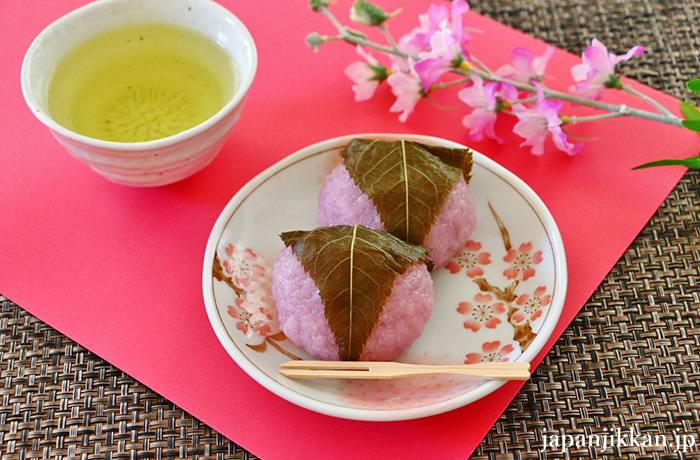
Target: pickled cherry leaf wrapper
<point>408,182</point>
<point>459,158</point>
<point>354,269</point>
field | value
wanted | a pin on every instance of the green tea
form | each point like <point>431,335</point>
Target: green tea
<point>141,82</point>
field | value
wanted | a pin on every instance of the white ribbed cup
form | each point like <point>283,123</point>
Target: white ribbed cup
<point>160,161</point>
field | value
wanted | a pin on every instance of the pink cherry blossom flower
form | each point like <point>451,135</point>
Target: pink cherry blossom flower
<point>521,262</point>
<point>530,307</point>
<point>405,45</point>
<point>525,67</point>
<point>597,69</point>
<point>482,312</point>
<point>440,42</point>
<point>459,9</point>
<point>470,259</point>
<point>492,352</point>
<point>408,90</point>
<point>538,122</point>
<point>444,55</point>
<point>440,17</point>
<point>366,76</point>
<point>447,44</point>
<point>418,40</point>
<point>255,311</point>
<point>484,99</point>
<point>254,317</point>
<point>244,266</point>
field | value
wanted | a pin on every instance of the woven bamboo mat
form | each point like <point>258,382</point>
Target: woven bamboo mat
<point>630,359</point>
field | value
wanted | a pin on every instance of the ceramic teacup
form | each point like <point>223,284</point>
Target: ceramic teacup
<point>154,162</point>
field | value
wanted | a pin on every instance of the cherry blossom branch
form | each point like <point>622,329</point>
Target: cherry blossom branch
<point>666,117</point>
<point>574,119</point>
<point>390,39</point>
<point>354,38</point>
<point>282,350</point>
<point>447,84</point>
<point>476,61</point>
<point>661,108</point>
<point>527,100</point>
<point>439,46</point>
<point>619,110</point>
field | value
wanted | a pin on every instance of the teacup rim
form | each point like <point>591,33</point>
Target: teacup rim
<point>57,128</point>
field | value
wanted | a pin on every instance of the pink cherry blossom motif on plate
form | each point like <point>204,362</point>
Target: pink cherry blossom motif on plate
<point>498,299</point>
<point>482,311</point>
<point>471,259</point>
<point>507,301</point>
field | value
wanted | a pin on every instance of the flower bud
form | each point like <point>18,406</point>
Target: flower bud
<point>316,5</point>
<point>314,40</point>
<point>368,14</point>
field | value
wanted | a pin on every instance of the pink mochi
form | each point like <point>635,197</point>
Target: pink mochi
<point>303,321</point>
<point>341,202</point>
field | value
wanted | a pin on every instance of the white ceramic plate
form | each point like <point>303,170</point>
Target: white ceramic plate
<point>515,249</point>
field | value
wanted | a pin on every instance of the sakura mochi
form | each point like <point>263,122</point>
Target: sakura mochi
<point>351,293</point>
<point>417,192</point>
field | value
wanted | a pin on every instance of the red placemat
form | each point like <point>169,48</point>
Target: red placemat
<point>119,269</point>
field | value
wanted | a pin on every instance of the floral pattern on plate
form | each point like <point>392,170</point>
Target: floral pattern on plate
<point>497,300</point>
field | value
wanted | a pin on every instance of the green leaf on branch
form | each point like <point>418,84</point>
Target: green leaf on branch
<point>692,162</point>
<point>694,85</point>
<point>693,125</point>
<point>690,112</point>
